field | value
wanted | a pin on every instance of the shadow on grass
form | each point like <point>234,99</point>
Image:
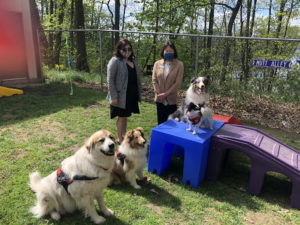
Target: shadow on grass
<point>232,186</point>
<point>46,99</point>
<point>152,193</point>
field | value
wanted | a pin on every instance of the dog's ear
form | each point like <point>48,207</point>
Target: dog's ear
<point>130,135</point>
<point>89,145</point>
<point>193,79</point>
<point>140,129</point>
<point>191,106</point>
<point>207,80</point>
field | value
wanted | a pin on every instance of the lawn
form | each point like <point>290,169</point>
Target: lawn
<point>46,124</point>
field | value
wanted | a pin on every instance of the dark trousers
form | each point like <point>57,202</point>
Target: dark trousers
<point>163,111</point>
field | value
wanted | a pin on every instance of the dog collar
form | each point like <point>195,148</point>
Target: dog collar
<point>195,120</point>
<point>104,168</point>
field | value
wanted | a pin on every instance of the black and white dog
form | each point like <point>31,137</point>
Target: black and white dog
<point>199,116</point>
<point>197,93</point>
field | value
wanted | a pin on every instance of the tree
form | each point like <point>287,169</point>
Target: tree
<point>234,13</point>
<point>81,60</point>
<point>61,13</point>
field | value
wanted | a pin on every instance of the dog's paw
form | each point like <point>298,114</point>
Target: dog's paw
<point>137,186</point>
<point>194,132</point>
<point>55,215</point>
<point>98,219</point>
<point>177,119</point>
<point>108,212</point>
<point>188,129</point>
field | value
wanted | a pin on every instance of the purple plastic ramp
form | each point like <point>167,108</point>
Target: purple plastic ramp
<point>266,154</point>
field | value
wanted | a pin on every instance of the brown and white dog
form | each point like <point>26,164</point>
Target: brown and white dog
<point>197,93</point>
<point>79,180</point>
<point>130,160</point>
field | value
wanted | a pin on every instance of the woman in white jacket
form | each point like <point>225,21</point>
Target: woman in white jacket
<point>124,85</point>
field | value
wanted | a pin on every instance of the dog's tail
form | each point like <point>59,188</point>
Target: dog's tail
<point>35,179</point>
<point>45,203</point>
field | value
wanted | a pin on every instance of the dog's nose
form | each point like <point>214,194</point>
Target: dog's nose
<point>202,86</point>
<point>111,146</point>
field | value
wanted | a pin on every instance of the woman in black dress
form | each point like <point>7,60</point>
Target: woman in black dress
<point>124,85</point>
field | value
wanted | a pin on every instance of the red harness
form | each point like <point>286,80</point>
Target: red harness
<point>65,181</point>
<point>121,157</point>
<point>195,120</point>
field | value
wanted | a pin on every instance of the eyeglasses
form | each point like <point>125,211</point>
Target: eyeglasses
<point>127,49</point>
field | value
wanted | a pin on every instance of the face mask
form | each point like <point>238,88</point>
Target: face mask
<point>169,56</point>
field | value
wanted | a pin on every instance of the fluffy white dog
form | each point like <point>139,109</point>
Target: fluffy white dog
<point>79,180</point>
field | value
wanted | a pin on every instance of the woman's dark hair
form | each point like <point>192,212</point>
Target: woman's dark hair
<point>121,45</point>
<point>172,45</point>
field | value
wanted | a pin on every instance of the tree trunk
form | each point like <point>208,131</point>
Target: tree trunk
<point>57,48</point>
<point>247,57</point>
<point>269,24</point>
<point>205,27</point>
<point>124,12</point>
<point>156,30</point>
<point>117,20</point>
<point>93,11</point>
<point>288,19</point>
<point>235,11</point>
<point>139,39</point>
<point>113,25</point>
<point>242,48</point>
<point>280,17</point>
<point>51,33</point>
<point>72,27</point>
<point>81,62</point>
<point>210,32</point>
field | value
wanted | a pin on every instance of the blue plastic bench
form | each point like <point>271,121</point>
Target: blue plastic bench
<point>195,148</point>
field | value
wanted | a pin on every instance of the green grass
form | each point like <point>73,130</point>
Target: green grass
<point>45,125</point>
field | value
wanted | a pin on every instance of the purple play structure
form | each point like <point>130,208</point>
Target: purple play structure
<point>266,154</point>
<point>205,153</point>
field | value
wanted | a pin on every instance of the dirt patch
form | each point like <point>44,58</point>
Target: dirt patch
<point>262,218</point>
<point>19,154</point>
<point>211,215</point>
<point>42,128</point>
<point>155,208</point>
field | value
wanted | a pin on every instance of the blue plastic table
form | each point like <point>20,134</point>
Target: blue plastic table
<point>195,147</point>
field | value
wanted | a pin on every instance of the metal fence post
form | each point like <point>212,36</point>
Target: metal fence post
<point>101,61</point>
<point>196,56</point>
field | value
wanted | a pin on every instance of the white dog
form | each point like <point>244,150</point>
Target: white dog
<point>79,180</point>
<point>131,159</point>
<point>199,116</point>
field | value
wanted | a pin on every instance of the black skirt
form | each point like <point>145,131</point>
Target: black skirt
<point>132,105</point>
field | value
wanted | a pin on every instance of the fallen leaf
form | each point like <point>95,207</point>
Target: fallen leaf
<point>154,191</point>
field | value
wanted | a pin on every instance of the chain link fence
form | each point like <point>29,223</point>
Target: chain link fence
<point>233,63</point>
